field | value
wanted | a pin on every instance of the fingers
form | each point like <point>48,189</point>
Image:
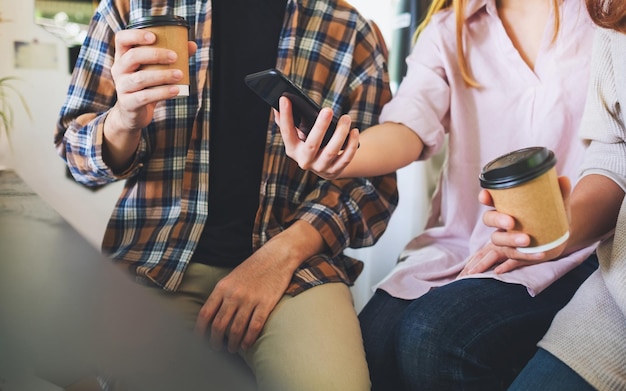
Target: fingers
<point>484,197</point>
<point>506,236</point>
<point>503,223</point>
<point>318,131</point>
<point>130,71</point>
<point>192,47</point>
<point>257,322</point>
<point>126,40</point>
<point>219,327</point>
<point>238,323</point>
<point>329,161</point>
<point>503,254</point>
<point>134,49</point>
<point>495,219</point>
<point>138,86</point>
<point>206,315</point>
<point>246,327</point>
<point>284,120</point>
<point>237,327</point>
<point>154,84</point>
<point>510,239</point>
<point>483,260</point>
<point>340,135</point>
<point>304,152</point>
<point>509,265</point>
<point>565,185</point>
<point>500,259</point>
<point>217,314</point>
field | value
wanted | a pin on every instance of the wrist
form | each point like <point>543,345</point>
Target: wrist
<point>298,243</point>
<point>119,145</point>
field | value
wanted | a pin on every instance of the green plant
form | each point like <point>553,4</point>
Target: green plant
<point>7,91</point>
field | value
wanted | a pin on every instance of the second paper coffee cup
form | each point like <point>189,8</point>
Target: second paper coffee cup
<point>524,185</point>
<point>172,32</point>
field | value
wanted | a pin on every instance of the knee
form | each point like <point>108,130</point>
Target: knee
<point>426,352</point>
<point>419,345</point>
<point>437,351</point>
<point>327,376</point>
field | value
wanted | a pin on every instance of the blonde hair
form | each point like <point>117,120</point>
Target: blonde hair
<point>459,11</point>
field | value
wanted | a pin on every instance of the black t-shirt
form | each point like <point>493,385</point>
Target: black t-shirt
<point>245,40</point>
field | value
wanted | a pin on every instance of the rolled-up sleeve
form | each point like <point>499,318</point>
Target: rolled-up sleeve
<point>602,126</point>
<point>79,133</point>
<point>423,98</point>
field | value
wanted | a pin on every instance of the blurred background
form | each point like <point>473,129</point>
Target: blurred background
<point>39,40</point>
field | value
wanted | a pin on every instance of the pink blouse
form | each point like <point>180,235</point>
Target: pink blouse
<point>515,107</point>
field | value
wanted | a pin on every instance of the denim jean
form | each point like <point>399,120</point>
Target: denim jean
<point>471,334</point>
<point>546,372</point>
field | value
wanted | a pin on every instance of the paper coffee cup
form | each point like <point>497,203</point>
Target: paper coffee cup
<point>524,185</point>
<point>172,32</point>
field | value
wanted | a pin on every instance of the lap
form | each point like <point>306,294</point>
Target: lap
<point>310,341</point>
<point>198,282</point>
<point>486,317</point>
<point>479,333</point>
<point>476,302</point>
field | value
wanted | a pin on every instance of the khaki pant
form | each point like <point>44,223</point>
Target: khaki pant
<point>310,342</point>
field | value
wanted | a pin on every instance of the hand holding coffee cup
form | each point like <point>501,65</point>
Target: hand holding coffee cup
<point>524,184</point>
<point>172,32</point>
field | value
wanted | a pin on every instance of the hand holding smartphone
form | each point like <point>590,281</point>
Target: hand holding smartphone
<point>271,84</point>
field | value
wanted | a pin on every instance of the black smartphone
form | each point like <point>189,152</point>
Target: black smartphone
<point>271,84</point>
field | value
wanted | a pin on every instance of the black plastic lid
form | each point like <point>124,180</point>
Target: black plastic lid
<point>516,167</point>
<point>157,20</point>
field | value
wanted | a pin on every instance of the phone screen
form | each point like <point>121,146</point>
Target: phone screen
<point>271,84</point>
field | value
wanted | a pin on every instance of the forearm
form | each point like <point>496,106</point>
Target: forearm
<point>350,212</point>
<point>383,149</point>
<point>299,242</point>
<point>595,204</point>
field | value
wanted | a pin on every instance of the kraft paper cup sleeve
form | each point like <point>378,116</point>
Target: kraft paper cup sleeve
<point>538,209</point>
<point>524,185</point>
<point>172,32</point>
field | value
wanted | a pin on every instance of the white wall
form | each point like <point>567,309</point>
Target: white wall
<point>35,159</point>
<point>410,216</point>
<point>33,155</point>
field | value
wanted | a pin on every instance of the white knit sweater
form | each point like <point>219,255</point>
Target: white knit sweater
<point>589,334</point>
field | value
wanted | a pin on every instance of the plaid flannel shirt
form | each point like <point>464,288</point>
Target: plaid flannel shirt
<point>326,47</point>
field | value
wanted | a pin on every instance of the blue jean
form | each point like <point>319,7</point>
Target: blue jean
<point>546,372</point>
<point>471,334</point>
